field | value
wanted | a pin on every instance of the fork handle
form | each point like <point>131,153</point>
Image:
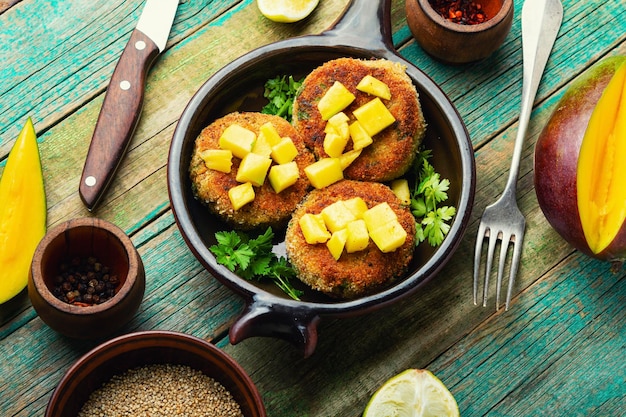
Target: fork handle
<point>541,20</point>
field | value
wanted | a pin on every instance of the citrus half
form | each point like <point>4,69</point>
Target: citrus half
<point>412,393</point>
<point>286,11</point>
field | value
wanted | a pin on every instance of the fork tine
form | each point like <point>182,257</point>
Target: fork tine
<point>493,239</point>
<point>517,252</point>
<point>504,248</point>
<point>480,236</point>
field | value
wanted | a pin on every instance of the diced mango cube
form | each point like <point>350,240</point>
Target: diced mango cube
<point>337,242</point>
<point>349,157</point>
<point>336,98</point>
<point>374,116</point>
<point>337,216</point>
<point>271,134</point>
<point>400,188</point>
<point>218,159</point>
<point>334,144</point>
<point>283,176</point>
<point>324,172</point>
<point>338,119</point>
<point>379,215</point>
<point>284,151</point>
<point>253,169</point>
<point>389,236</point>
<point>358,236</point>
<point>241,195</point>
<point>238,140</point>
<point>360,138</point>
<point>338,124</point>
<point>372,85</point>
<point>313,228</point>
<point>262,145</point>
<point>357,206</point>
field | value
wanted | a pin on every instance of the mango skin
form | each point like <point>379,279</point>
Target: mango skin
<point>556,157</point>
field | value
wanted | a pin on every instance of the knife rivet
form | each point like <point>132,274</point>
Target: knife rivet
<point>125,85</point>
<point>90,181</point>
<point>140,45</point>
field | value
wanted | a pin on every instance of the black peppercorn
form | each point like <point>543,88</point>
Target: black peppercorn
<point>84,281</point>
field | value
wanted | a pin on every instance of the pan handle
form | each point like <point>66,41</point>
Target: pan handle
<point>365,24</point>
<point>265,318</point>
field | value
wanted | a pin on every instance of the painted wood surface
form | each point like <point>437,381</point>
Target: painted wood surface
<point>559,350</point>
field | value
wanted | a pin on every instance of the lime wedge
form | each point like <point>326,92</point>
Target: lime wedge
<point>286,11</point>
<point>412,393</point>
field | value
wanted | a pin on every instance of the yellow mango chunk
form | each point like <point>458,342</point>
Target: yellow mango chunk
<point>218,159</point>
<point>360,137</point>
<point>337,216</point>
<point>268,130</point>
<point>601,170</point>
<point>357,206</point>
<point>358,236</point>
<point>338,124</point>
<point>348,158</point>
<point>372,85</point>
<point>400,188</point>
<point>313,228</point>
<point>337,243</point>
<point>283,176</point>
<point>253,169</point>
<point>334,144</point>
<point>374,116</point>
<point>389,236</point>
<point>262,145</point>
<point>379,215</point>
<point>241,195</point>
<point>238,140</point>
<point>22,212</point>
<point>284,151</point>
<point>324,172</point>
<point>336,98</point>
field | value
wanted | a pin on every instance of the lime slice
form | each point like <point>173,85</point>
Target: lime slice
<point>286,11</point>
<point>412,393</point>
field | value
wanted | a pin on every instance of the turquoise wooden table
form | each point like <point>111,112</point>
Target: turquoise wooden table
<point>560,349</point>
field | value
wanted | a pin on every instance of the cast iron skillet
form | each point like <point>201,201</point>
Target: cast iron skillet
<point>364,31</point>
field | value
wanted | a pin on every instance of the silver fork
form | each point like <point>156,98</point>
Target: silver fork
<point>502,220</point>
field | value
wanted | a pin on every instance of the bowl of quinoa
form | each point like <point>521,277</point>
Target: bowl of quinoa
<point>153,373</point>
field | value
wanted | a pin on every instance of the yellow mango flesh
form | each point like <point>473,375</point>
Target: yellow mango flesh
<point>283,176</point>
<point>284,151</point>
<point>324,172</point>
<point>238,140</point>
<point>22,212</point>
<point>241,195</point>
<point>337,242</point>
<point>601,170</point>
<point>313,228</point>
<point>358,236</point>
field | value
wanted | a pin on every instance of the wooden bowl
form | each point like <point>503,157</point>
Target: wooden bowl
<point>82,238</point>
<point>132,350</point>
<point>456,43</point>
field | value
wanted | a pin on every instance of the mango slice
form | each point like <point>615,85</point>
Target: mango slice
<point>23,212</point>
<point>601,170</point>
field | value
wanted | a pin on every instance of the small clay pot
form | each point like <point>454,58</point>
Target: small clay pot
<point>133,350</point>
<point>455,43</point>
<point>82,238</point>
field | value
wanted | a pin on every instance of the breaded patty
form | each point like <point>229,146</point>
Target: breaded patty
<point>211,187</point>
<point>394,148</point>
<point>354,274</point>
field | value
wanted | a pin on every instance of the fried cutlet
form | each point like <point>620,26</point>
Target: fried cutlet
<point>268,207</point>
<point>393,149</point>
<point>354,274</point>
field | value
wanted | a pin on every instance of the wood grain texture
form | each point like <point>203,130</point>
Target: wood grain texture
<point>556,352</point>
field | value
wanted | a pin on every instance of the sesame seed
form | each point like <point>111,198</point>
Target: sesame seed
<point>161,390</point>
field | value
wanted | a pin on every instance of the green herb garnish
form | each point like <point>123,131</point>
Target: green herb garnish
<point>280,92</point>
<point>431,221</point>
<point>253,259</point>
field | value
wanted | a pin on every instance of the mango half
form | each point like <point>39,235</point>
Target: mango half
<point>580,162</point>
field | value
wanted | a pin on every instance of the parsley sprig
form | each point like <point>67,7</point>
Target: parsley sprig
<point>429,191</point>
<point>280,91</point>
<point>252,258</point>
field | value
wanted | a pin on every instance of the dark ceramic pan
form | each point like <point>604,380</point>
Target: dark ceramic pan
<point>363,31</point>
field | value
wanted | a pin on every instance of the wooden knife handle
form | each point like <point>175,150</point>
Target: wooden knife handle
<point>118,117</point>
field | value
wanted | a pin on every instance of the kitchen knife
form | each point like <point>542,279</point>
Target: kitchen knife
<point>124,99</point>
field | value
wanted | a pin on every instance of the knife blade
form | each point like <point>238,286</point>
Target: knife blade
<point>123,101</point>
